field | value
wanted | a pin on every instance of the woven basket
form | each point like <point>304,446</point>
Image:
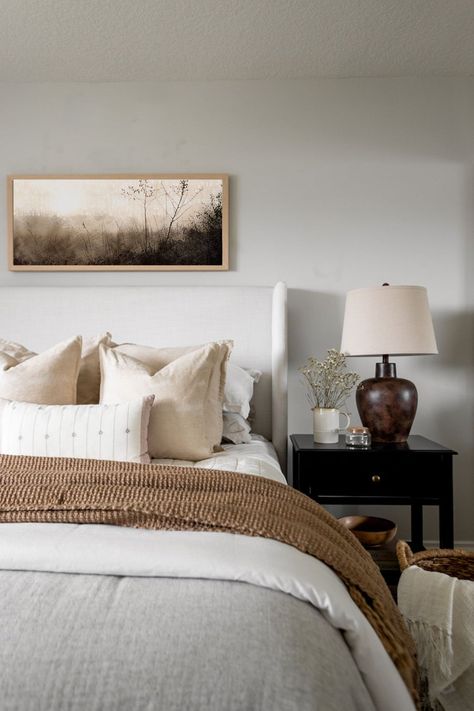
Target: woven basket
<point>456,563</point>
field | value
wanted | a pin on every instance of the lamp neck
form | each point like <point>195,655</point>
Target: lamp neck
<point>385,369</point>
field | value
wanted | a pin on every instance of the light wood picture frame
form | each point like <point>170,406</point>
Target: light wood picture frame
<point>118,222</point>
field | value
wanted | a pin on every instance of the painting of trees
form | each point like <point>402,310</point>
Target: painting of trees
<point>144,192</point>
<point>180,199</point>
<point>119,222</point>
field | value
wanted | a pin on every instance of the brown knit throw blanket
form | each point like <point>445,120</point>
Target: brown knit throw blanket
<point>63,490</point>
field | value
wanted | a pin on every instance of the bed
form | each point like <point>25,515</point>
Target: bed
<point>99,616</point>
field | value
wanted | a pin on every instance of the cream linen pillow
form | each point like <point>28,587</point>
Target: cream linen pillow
<point>88,382</point>
<point>238,391</point>
<point>49,378</point>
<point>16,350</point>
<point>158,358</point>
<point>114,432</point>
<point>186,418</point>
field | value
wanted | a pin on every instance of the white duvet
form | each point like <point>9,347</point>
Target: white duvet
<point>258,458</point>
<point>112,550</point>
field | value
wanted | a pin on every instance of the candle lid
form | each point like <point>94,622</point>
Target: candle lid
<point>358,430</point>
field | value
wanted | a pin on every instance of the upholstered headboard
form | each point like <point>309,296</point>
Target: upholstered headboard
<point>254,317</point>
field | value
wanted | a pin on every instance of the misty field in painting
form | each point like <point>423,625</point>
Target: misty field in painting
<point>117,222</point>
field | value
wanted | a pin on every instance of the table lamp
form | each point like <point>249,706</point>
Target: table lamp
<point>381,321</point>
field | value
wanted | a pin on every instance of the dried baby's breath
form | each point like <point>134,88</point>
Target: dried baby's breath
<point>327,381</point>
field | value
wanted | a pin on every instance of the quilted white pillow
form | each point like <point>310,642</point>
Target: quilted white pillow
<point>116,432</point>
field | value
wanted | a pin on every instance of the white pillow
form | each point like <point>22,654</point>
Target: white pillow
<point>116,432</point>
<point>236,429</point>
<point>238,391</point>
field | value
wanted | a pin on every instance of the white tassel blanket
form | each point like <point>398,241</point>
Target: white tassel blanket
<point>439,611</point>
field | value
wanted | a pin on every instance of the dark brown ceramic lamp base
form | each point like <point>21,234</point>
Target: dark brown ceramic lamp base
<point>387,404</point>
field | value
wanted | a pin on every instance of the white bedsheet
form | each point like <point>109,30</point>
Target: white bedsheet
<point>114,550</point>
<point>257,457</point>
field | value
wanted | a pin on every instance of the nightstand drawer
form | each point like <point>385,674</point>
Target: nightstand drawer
<point>374,475</point>
<point>416,473</point>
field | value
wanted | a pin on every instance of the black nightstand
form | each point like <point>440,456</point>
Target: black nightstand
<point>417,473</point>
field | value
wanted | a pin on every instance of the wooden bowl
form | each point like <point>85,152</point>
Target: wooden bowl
<point>371,531</point>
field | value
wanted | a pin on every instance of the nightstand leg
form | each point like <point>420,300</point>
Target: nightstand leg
<point>446,514</point>
<point>446,525</point>
<point>417,527</point>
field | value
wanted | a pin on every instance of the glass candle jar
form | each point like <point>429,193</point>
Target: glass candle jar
<point>358,437</point>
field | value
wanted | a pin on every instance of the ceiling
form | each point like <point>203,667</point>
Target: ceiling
<point>141,40</point>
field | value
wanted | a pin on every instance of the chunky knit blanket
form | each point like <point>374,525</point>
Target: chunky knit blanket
<point>60,490</point>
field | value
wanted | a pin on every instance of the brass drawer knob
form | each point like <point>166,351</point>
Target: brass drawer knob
<point>376,478</point>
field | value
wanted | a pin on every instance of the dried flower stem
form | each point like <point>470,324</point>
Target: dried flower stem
<point>327,383</point>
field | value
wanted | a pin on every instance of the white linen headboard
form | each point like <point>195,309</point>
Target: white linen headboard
<point>255,318</point>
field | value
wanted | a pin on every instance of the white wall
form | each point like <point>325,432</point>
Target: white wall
<point>335,184</point>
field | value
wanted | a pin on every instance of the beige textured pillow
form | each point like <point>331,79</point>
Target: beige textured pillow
<point>186,418</point>
<point>16,350</point>
<point>49,378</point>
<point>88,382</point>
<point>158,358</point>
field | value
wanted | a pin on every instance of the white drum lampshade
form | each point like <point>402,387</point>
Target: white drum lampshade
<point>394,320</point>
<point>382,321</point>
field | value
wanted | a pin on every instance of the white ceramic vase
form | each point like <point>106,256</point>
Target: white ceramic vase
<point>326,425</point>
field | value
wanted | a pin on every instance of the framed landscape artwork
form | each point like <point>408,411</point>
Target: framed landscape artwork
<point>118,222</point>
